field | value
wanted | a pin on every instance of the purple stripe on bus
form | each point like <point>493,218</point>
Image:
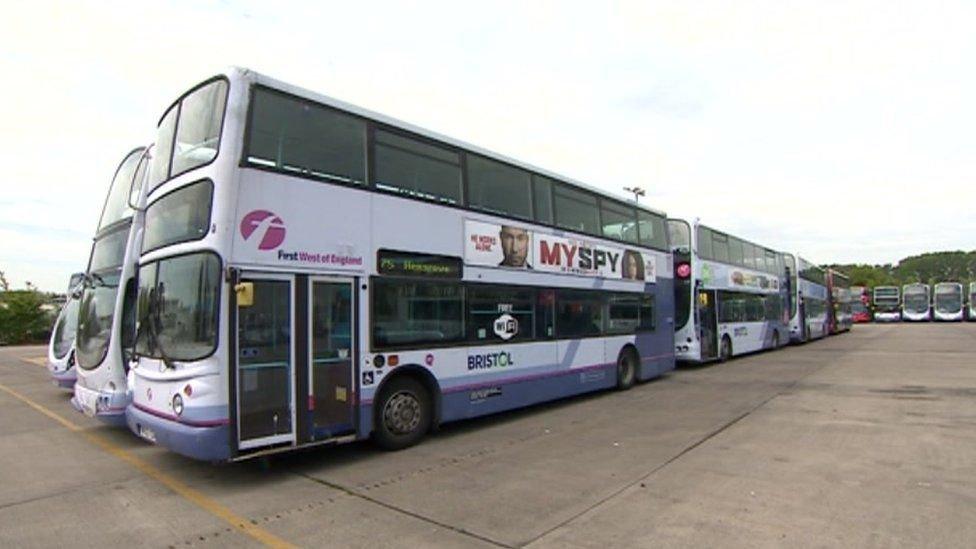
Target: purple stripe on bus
<point>191,423</point>
<point>533,377</point>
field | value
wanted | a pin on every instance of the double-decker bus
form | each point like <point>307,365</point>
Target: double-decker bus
<point>106,311</point>
<point>916,302</point>
<point>839,310</point>
<point>808,301</point>
<point>345,275</point>
<point>972,301</point>
<point>860,304</point>
<point>887,304</point>
<point>61,346</point>
<point>947,301</point>
<point>731,296</point>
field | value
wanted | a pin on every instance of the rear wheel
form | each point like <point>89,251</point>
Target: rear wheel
<point>626,369</point>
<point>725,351</point>
<point>403,414</point>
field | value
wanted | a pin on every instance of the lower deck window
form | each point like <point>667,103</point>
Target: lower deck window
<point>415,314</point>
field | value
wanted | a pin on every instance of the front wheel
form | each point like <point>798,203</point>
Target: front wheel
<point>403,414</point>
<point>626,369</point>
<point>725,351</point>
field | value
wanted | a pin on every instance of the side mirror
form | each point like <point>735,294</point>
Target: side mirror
<point>245,294</point>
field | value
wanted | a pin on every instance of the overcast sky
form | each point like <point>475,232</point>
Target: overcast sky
<point>842,130</point>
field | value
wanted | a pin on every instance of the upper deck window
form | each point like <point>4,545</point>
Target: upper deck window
<point>619,221</point>
<point>417,168</point>
<point>679,232</point>
<point>189,133</point>
<point>498,187</point>
<point>653,232</point>
<point>576,210</point>
<point>542,198</point>
<point>117,204</point>
<point>298,136</point>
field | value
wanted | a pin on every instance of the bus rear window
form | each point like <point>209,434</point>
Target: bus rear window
<point>180,216</point>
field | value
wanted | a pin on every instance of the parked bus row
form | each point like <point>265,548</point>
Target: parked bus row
<point>917,302</point>
<point>282,269</point>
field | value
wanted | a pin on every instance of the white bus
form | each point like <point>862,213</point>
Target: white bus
<point>731,296</point>
<point>61,347</point>
<point>809,301</point>
<point>916,303</point>
<point>972,301</point>
<point>887,304</point>
<point>315,273</point>
<point>947,301</point>
<point>106,313</point>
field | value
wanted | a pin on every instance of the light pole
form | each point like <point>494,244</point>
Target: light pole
<point>638,192</point>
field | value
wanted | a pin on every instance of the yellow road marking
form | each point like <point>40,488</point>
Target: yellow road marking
<point>40,360</point>
<point>194,496</point>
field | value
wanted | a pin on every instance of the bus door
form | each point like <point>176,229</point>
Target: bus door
<point>264,380</point>
<point>330,378</point>
<point>708,324</point>
<point>803,318</point>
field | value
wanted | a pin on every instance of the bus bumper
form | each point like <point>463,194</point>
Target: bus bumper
<point>64,379</point>
<point>108,407</point>
<point>210,443</point>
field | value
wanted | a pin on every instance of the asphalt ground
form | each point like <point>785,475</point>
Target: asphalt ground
<point>863,439</point>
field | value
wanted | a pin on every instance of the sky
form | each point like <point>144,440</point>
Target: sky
<point>840,130</point>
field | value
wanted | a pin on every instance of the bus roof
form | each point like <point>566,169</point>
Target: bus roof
<point>709,227</point>
<point>270,82</point>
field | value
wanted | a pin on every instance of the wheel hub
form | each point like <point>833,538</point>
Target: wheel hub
<point>402,413</point>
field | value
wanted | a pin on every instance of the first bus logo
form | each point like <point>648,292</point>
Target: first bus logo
<point>264,225</point>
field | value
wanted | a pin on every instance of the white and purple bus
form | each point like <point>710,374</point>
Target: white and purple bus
<point>315,273</point>
<point>808,286</point>
<point>731,296</point>
<point>916,303</point>
<point>887,304</point>
<point>106,312</point>
<point>972,301</point>
<point>61,347</point>
<point>947,302</point>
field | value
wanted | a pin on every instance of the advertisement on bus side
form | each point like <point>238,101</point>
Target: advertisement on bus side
<point>510,246</point>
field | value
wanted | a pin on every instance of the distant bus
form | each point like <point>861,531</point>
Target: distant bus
<point>808,287</point>
<point>887,304</point>
<point>731,296</point>
<point>840,313</point>
<point>106,321</point>
<point>860,305</point>
<point>368,278</point>
<point>947,301</point>
<point>61,347</point>
<point>972,301</point>
<point>916,303</point>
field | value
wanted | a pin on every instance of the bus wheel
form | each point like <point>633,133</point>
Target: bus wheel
<point>403,414</point>
<point>626,369</point>
<point>725,351</point>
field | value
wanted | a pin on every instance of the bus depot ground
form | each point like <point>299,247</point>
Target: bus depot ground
<point>862,439</point>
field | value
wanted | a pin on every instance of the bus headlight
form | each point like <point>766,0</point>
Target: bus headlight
<point>177,404</point>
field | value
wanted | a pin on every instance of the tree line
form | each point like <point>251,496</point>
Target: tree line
<point>23,318</point>
<point>927,268</point>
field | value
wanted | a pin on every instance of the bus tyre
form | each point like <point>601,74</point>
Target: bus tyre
<point>626,369</point>
<point>403,414</point>
<point>725,351</point>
